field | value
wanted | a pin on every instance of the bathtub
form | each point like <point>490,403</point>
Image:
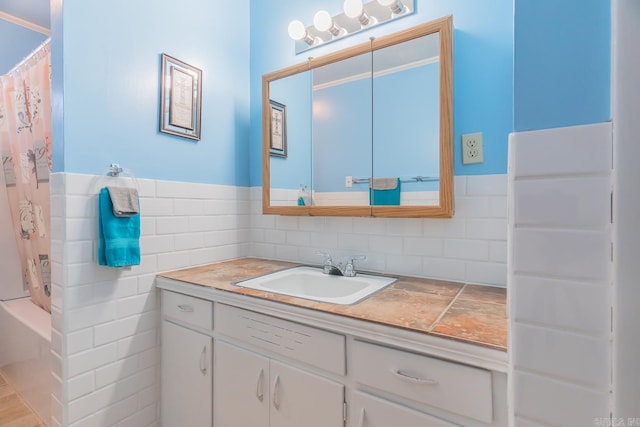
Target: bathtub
<point>25,353</point>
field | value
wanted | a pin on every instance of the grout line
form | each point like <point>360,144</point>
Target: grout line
<point>444,312</point>
<point>604,336</point>
<point>560,379</point>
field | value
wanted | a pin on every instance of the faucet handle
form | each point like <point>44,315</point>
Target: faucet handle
<point>328,262</point>
<point>349,269</point>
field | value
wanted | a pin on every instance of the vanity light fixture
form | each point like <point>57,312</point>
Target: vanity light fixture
<point>323,22</point>
<point>396,6</point>
<point>297,31</point>
<point>355,9</point>
<point>359,15</point>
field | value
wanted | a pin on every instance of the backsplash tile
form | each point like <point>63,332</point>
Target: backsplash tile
<point>429,247</point>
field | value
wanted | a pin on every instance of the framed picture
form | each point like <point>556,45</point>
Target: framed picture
<point>180,98</point>
<point>278,128</point>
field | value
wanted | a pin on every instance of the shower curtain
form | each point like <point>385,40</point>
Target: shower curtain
<point>25,148</point>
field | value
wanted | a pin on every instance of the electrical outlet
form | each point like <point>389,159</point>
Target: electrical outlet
<point>348,181</point>
<point>472,148</point>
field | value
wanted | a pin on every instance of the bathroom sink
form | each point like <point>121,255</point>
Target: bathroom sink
<point>311,283</point>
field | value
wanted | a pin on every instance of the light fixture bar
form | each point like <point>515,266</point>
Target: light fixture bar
<point>354,20</point>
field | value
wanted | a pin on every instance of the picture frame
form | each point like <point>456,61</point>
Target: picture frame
<point>277,129</point>
<point>180,98</point>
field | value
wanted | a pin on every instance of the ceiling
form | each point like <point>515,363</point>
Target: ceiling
<point>34,11</point>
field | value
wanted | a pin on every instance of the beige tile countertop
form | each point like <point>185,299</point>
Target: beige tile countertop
<point>469,313</point>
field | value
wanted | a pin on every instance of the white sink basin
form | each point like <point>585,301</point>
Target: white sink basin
<point>311,283</point>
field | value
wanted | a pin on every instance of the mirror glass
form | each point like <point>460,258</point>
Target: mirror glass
<point>290,140</point>
<point>364,131</point>
<point>342,132</point>
<point>406,123</point>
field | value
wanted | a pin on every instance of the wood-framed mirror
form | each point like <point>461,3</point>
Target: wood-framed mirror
<point>364,131</point>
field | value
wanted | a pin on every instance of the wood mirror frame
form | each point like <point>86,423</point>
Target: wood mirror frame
<point>445,208</point>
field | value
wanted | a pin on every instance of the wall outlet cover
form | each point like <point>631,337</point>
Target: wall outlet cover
<point>472,148</point>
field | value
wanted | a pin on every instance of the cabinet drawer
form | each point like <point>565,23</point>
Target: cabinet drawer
<point>187,309</point>
<point>316,347</point>
<point>368,411</point>
<point>457,388</point>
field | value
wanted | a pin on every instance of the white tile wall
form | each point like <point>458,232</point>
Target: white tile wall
<point>560,279</point>
<point>469,247</point>
<point>106,362</point>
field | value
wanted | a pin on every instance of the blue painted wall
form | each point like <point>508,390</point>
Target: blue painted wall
<point>109,74</point>
<point>16,43</point>
<point>562,63</point>
<point>110,78</point>
<point>483,66</point>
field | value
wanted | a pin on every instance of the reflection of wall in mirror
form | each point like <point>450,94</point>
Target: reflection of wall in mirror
<point>341,135</point>
<point>406,127</point>
<point>405,130</point>
<point>290,172</point>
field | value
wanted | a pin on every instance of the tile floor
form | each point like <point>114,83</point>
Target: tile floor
<point>13,411</point>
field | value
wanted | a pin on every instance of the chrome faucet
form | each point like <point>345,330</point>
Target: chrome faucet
<point>348,270</point>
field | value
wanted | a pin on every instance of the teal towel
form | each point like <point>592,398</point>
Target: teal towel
<point>118,243</point>
<point>387,197</point>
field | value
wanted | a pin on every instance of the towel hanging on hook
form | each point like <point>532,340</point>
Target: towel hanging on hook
<point>117,176</point>
<point>118,218</point>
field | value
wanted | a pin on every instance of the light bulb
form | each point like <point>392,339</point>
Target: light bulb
<point>297,31</point>
<point>396,6</point>
<point>322,21</point>
<point>353,8</point>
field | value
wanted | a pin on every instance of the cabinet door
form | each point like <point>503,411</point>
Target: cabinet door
<point>241,387</point>
<point>299,398</point>
<point>186,377</point>
<point>368,411</point>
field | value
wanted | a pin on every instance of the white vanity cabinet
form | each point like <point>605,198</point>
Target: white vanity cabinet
<point>366,410</point>
<point>186,376</point>
<point>454,387</point>
<point>253,390</point>
<point>277,366</point>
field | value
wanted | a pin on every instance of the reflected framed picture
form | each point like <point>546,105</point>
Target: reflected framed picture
<point>278,129</point>
<point>180,98</point>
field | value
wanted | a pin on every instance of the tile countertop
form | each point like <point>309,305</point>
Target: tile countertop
<point>474,314</point>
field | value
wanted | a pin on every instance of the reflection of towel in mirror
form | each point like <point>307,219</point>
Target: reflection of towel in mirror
<point>385,191</point>
<point>124,200</point>
<point>118,242</point>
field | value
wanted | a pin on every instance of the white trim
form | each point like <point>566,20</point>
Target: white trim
<point>23,23</point>
<point>380,73</point>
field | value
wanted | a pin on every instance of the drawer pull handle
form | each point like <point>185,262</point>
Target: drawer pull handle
<point>259,386</point>
<point>203,361</point>
<point>185,308</point>
<point>276,393</point>
<point>361,420</point>
<point>415,380</point>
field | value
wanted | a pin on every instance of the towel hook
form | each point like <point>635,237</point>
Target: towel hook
<point>116,170</point>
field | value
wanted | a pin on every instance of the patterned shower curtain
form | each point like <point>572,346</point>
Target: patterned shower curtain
<point>25,147</point>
